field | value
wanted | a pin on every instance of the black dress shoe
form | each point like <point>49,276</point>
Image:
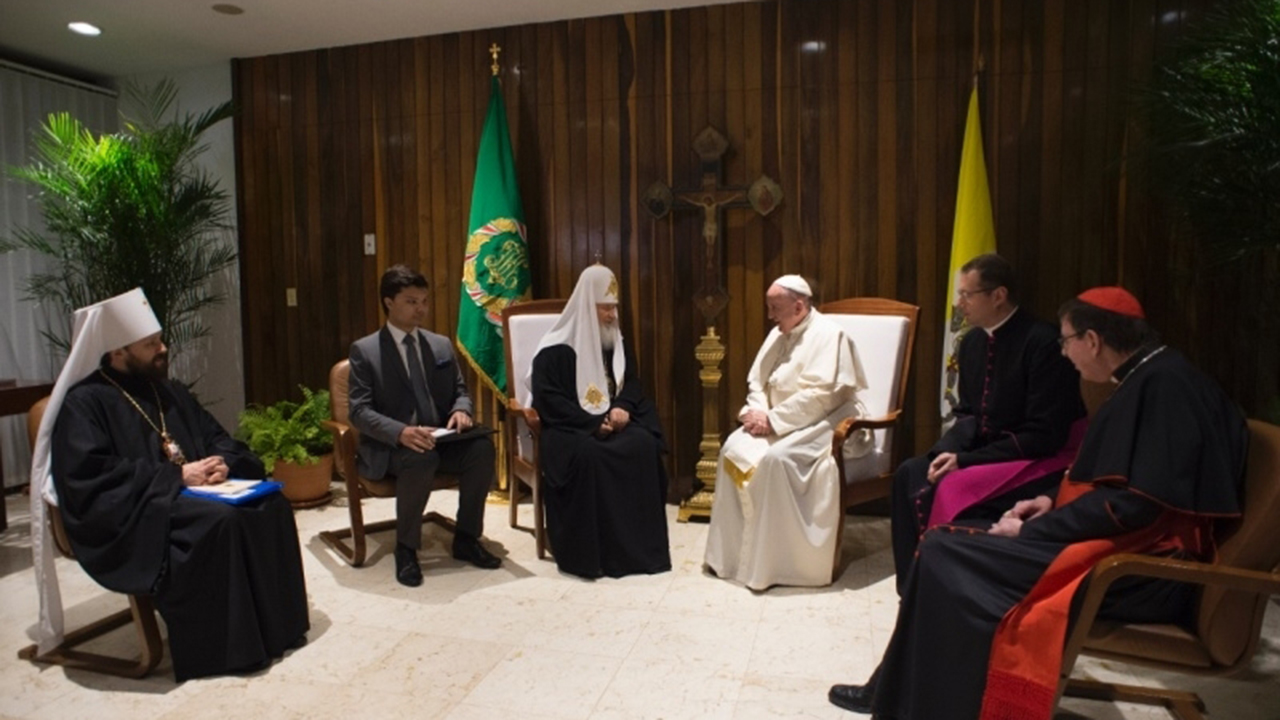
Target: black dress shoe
<point>855,698</point>
<point>252,668</point>
<point>408,571</point>
<point>470,550</point>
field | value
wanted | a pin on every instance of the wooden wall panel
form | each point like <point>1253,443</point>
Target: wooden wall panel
<point>856,107</point>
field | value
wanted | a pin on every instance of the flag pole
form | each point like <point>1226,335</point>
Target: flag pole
<point>501,494</point>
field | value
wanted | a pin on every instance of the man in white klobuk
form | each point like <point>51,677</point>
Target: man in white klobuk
<point>120,443</point>
<point>775,517</point>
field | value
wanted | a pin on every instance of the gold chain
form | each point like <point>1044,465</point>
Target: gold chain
<point>170,447</point>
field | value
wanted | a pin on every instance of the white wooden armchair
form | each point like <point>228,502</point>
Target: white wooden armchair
<point>523,326</point>
<point>884,332</point>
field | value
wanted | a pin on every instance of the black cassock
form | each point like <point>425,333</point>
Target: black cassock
<point>1167,438</point>
<point>1018,397</point>
<point>605,497</point>
<point>226,579</point>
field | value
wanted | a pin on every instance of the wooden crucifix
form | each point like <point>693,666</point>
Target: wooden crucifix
<point>763,196</point>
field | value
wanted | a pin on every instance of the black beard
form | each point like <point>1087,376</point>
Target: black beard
<point>157,369</point>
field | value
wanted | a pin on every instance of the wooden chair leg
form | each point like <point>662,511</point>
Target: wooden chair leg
<point>539,518</point>
<point>141,613</point>
<point>356,553</point>
<point>1184,705</point>
<point>835,561</point>
<point>513,495</point>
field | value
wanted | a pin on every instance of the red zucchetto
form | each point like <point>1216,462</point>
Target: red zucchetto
<point>1116,299</point>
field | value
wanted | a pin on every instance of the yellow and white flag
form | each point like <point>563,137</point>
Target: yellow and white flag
<point>974,234</point>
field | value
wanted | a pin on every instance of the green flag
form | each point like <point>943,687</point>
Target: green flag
<point>495,271</point>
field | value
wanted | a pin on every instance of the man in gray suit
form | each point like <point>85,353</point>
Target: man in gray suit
<point>405,389</point>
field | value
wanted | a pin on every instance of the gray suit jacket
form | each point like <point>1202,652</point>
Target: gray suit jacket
<point>381,399</point>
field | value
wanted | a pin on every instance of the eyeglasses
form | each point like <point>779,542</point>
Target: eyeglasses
<point>966,294</point>
<point>1062,341</point>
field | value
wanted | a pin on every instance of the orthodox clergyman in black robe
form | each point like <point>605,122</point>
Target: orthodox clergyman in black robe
<point>984,612</point>
<point>601,445</point>
<point>226,579</point>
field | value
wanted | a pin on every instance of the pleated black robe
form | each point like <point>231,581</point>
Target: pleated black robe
<point>605,497</point>
<point>1168,444</point>
<point>226,579</point>
<point>1017,399</point>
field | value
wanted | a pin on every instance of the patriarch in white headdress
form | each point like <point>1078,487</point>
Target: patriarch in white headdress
<point>589,325</point>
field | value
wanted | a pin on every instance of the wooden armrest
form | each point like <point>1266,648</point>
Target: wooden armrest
<point>533,420</point>
<point>848,425</point>
<point>1122,565</point>
<point>1191,571</point>
<point>344,447</point>
<point>530,415</point>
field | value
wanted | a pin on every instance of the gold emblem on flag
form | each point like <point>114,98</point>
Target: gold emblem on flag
<point>502,269</point>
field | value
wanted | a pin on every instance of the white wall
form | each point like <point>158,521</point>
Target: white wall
<point>217,361</point>
<point>27,98</point>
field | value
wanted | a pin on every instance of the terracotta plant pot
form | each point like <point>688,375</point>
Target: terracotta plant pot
<point>306,485</point>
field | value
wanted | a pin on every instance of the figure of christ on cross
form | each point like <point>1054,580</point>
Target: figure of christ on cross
<point>763,196</point>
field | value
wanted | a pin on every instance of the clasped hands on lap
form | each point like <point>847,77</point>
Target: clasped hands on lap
<point>1010,524</point>
<point>209,471</point>
<point>756,422</point>
<point>614,421</point>
<point>421,438</point>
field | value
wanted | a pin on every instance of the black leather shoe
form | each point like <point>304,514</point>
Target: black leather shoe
<point>856,698</point>
<point>470,550</point>
<point>408,572</point>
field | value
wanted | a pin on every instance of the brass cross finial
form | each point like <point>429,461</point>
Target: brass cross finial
<point>494,50</point>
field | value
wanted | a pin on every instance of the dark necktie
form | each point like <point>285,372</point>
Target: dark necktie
<point>426,409</point>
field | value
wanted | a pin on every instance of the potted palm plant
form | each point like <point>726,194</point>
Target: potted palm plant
<point>294,445</point>
<point>129,209</point>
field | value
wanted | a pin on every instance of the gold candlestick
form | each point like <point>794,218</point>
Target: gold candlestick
<point>709,353</point>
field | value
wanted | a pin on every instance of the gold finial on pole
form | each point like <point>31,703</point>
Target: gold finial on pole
<point>494,50</point>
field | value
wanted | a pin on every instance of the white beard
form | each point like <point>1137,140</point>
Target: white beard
<point>608,336</point>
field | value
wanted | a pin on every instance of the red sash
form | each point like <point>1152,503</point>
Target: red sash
<point>1026,652</point>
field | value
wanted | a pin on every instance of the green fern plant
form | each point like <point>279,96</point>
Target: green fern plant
<point>129,209</point>
<point>288,431</point>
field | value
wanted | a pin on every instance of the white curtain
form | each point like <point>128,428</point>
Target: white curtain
<point>27,97</point>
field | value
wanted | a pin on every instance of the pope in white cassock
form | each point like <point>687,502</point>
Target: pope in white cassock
<point>775,517</point>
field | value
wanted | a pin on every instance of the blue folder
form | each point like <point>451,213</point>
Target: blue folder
<point>263,488</point>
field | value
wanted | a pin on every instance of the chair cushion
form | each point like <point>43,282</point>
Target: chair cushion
<point>1226,618</point>
<point>868,467</point>
<point>524,439</point>
<point>338,379</point>
<point>1157,643</point>
<point>881,342</point>
<point>524,333</point>
<point>385,487</point>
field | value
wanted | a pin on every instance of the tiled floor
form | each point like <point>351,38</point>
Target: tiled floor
<point>525,641</point>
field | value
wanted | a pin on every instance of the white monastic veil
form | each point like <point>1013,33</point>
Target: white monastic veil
<point>579,328</point>
<point>99,328</point>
